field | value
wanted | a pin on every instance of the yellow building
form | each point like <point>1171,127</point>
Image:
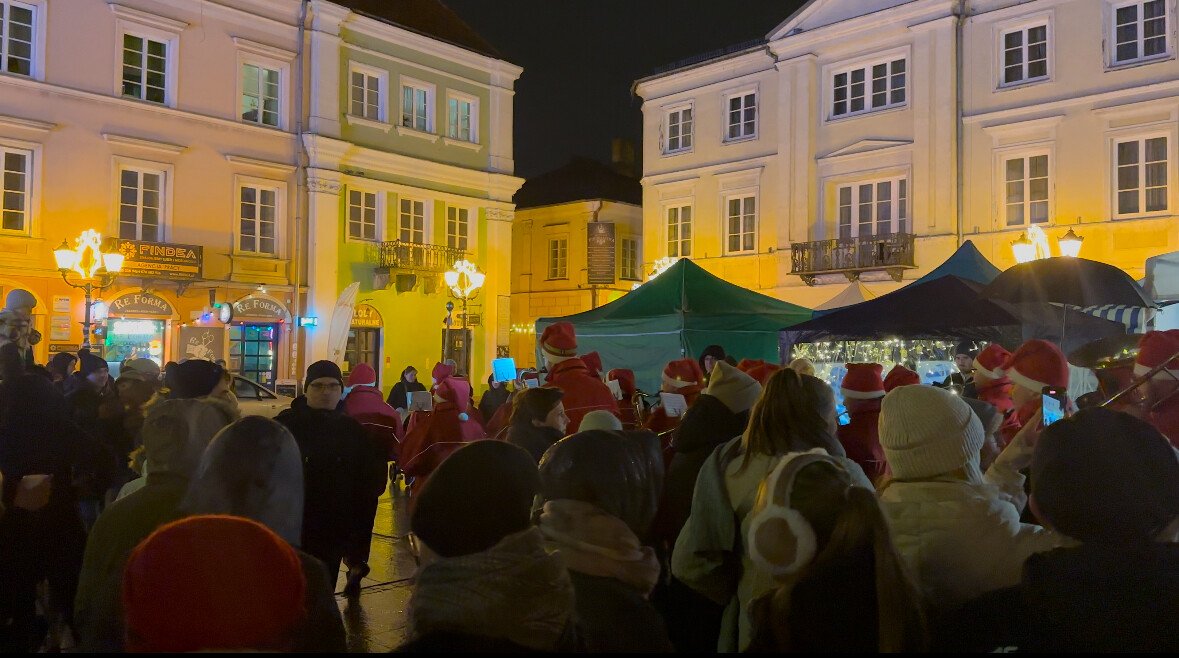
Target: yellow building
<point>556,213</point>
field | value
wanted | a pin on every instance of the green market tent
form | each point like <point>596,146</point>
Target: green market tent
<point>677,314</point>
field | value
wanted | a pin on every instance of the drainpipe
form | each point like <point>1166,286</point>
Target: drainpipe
<point>959,176</point>
<point>593,288</point>
<point>300,190</point>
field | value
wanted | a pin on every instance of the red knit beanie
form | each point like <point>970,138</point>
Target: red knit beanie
<point>212,583</point>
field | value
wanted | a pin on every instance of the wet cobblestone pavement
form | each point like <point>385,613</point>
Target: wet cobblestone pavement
<point>375,621</point>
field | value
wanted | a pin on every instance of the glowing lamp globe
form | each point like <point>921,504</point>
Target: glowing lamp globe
<point>1070,244</point>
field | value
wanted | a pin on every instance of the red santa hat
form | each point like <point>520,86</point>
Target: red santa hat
<point>900,376</point>
<point>1156,348</point>
<point>990,361</point>
<point>625,379</point>
<point>593,363</point>
<point>862,381</point>
<point>1036,364</point>
<point>758,369</point>
<point>683,372</point>
<point>362,375</point>
<point>458,391</point>
<point>560,340</point>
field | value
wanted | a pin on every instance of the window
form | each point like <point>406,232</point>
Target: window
<point>1025,54</point>
<point>679,130</point>
<point>1141,175</point>
<point>629,267</point>
<point>558,258</point>
<point>679,231</point>
<point>141,205</point>
<point>459,112</point>
<point>879,207</point>
<point>145,64</point>
<point>1140,31</point>
<point>852,94</point>
<point>258,215</point>
<point>362,215</point>
<point>742,116</point>
<point>1025,181</point>
<point>741,216</point>
<point>415,107</point>
<point>457,227</point>
<point>15,184</point>
<point>366,95</point>
<point>412,221</point>
<point>16,37</point>
<point>260,94</point>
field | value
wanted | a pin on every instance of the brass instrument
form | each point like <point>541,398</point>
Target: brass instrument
<point>1135,397</point>
<point>1111,360</point>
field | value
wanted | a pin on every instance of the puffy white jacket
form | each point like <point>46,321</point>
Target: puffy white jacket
<point>962,540</point>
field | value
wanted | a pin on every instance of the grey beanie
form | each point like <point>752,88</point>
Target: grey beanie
<point>928,431</point>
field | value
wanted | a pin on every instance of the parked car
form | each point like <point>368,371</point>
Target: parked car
<point>257,400</point>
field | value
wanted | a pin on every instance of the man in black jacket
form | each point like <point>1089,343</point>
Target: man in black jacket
<point>341,468</point>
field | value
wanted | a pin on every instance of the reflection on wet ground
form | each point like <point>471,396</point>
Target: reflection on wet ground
<point>375,622</point>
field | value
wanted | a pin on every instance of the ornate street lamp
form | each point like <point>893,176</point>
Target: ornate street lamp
<point>1070,244</point>
<point>93,269</point>
<point>464,281</point>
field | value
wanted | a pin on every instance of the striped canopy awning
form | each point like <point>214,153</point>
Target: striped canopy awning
<point>1136,318</point>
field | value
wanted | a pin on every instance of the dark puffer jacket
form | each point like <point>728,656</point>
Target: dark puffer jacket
<point>536,440</point>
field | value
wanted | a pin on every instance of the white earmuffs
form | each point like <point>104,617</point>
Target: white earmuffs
<point>781,541</point>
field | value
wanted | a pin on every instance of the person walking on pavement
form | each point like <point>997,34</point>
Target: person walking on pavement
<point>341,469</point>
<point>583,391</point>
<point>382,425</point>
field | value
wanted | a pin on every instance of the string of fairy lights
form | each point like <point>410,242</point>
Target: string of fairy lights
<point>886,352</point>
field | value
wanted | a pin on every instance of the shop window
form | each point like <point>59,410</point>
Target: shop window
<point>363,347</point>
<point>252,352</point>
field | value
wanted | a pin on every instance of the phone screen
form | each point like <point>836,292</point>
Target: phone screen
<point>1053,405</point>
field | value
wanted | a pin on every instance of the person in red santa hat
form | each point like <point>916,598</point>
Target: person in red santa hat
<point>433,435</point>
<point>626,406</point>
<point>862,389</point>
<point>681,376</point>
<point>758,369</point>
<point>593,363</point>
<point>1036,364</point>
<point>584,392</point>
<point>992,387</point>
<point>900,376</point>
<point>1159,396</point>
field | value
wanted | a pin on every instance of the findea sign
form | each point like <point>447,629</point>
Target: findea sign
<point>600,253</point>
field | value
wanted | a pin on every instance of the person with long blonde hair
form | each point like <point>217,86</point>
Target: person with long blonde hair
<point>795,414</point>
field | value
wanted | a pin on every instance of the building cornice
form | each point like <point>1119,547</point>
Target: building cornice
<point>146,18</point>
<point>263,49</point>
<point>688,173</point>
<point>332,154</point>
<point>17,123</point>
<point>502,73</point>
<point>144,144</point>
<point>691,77</point>
<point>170,112</point>
<point>783,40</point>
<point>327,17</point>
<point>273,167</point>
<point>1095,98</point>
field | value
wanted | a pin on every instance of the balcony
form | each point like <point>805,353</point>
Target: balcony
<point>851,257</point>
<point>414,257</point>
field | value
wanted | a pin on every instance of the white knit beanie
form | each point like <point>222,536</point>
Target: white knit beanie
<point>735,389</point>
<point>928,431</point>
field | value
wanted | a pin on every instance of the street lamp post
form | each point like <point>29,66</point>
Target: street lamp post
<point>464,281</point>
<point>95,269</point>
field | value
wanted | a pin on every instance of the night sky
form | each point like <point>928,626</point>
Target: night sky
<point>580,58</point>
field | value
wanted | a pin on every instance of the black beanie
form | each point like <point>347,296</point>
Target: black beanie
<point>1105,477</point>
<point>321,369</point>
<point>966,347</point>
<point>480,494</point>
<point>88,363</point>
<point>194,378</point>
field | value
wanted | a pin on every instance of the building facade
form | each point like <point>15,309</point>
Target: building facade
<point>868,140</point>
<point>168,126</point>
<point>410,169</point>
<point>555,218</point>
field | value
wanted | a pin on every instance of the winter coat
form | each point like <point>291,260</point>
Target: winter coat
<point>1020,416</point>
<point>536,440</point>
<point>101,414</point>
<point>962,540</point>
<point>398,396</point>
<point>709,554</point>
<point>861,440</point>
<point>341,470</point>
<point>322,631</point>
<point>1166,420</point>
<point>998,394</point>
<point>432,436</point>
<point>659,422</point>
<point>583,392</point>
<point>492,400</point>
<point>98,608</point>
<point>1078,600</point>
<point>364,404</point>
<point>614,618</point>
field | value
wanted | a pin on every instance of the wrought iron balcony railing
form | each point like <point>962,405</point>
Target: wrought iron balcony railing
<point>399,256</point>
<point>892,253</point>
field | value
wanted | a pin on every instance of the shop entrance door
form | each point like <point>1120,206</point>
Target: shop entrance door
<point>252,349</point>
<point>364,346</point>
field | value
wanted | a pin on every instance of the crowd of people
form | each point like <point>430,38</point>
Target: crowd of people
<point>564,513</point>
